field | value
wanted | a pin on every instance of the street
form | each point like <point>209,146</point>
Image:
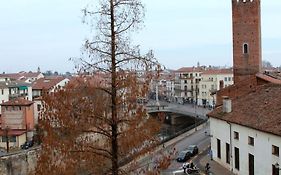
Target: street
<point>173,147</point>
<point>198,138</point>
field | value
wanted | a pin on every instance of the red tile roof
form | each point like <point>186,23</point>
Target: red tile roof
<point>269,78</point>
<point>89,80</point>
<point>218,71</point>
<point>190,69</point>
<point>260,110</point>
<point>12,132</point>
<point>46,83</point>
<point>17,102</point>
<point>20,75</point>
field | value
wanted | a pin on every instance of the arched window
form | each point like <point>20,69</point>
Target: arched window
<point>245,48</point>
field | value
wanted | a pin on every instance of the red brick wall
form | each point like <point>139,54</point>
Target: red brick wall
<point>246,29</point>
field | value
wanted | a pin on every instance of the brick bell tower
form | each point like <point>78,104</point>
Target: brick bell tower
<point>246,19</point>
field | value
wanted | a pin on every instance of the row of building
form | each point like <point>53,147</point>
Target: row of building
<point>20,103</point>
<point>20,95</point>
<point>196,85</point>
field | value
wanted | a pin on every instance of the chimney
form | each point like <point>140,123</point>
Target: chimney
<point>221,84</point>
<point>227,106</point>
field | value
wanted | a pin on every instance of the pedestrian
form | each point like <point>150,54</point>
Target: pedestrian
<point>211,154</point>
<point>207,168</point>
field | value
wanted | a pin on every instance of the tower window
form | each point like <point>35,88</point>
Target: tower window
<point>245,48</point>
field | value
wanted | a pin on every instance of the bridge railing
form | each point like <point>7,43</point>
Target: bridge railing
<point>170,137</point>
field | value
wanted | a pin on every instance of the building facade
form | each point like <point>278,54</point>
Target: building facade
<point>10,90</point>
<point>17,121</point>
<point>213,80</point>
<point>246,23</point>
<point>187,84</point>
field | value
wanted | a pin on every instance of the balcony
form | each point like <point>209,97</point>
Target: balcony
<point>13,96</point>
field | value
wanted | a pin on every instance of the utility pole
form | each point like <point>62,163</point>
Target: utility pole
<point>7,137</point>
<point>157,97</point>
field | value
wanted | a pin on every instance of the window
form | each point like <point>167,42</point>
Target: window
<point>38,107</point>
<point>275,150</point>
<point>251,141</point>
<point>225,78</point>
<point>227,150</point>
<point>245,48</point>
<point>4,139</point>
<point>185,81</point>
<point>2,91</point>
<point>229,78</point>
<point>13,139</point>
<point>20,108</point>
<point>218,148</point>
<point>236,160</point>
<point>236,135</point>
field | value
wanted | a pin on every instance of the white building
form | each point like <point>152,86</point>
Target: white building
<point>13,89</point>
<point>186,84</point>
<point>246,133</point>
<point>213,80</point>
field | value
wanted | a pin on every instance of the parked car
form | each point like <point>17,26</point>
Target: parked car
<point>27,144</point>
<point>193,149</point>
<point>183,156</point>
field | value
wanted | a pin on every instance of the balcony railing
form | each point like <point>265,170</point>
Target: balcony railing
<point>13,96</point>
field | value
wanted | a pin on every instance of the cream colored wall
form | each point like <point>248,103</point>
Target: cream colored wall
<point>19,141</point>
<point>215,83</point>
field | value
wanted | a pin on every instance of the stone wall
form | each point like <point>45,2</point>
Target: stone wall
<point>21,163</point>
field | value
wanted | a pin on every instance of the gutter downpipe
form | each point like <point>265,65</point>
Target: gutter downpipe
<point>230,143</point>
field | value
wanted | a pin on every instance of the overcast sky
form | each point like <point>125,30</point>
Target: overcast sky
<point>46,33</point>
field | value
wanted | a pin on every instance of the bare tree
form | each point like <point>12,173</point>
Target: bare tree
<point>266,64</point>
<point>95,125</point>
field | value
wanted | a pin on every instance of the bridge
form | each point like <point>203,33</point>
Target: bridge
<point>178,112</point>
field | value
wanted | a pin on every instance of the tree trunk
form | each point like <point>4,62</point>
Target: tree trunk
<point>114,126</point>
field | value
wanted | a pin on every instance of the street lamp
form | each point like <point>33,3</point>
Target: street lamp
<point>277,166</point>
<point>7,138</point>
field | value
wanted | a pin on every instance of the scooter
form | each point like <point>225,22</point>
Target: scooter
<point>192,171</point>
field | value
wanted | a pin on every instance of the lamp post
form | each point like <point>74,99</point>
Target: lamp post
<point>6,130</point>
<point>277,168</point>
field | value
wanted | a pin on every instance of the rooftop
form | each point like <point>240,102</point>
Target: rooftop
<point>190,69</point>
<point>17,102</point>
<point>260,110</point>
<point>20,75</point>
<point>46,83</point>
<point>218,71</point>
<point>16,83</point>
<point>12,132</point>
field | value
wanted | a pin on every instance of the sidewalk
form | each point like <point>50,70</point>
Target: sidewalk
<point>216,168</point>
